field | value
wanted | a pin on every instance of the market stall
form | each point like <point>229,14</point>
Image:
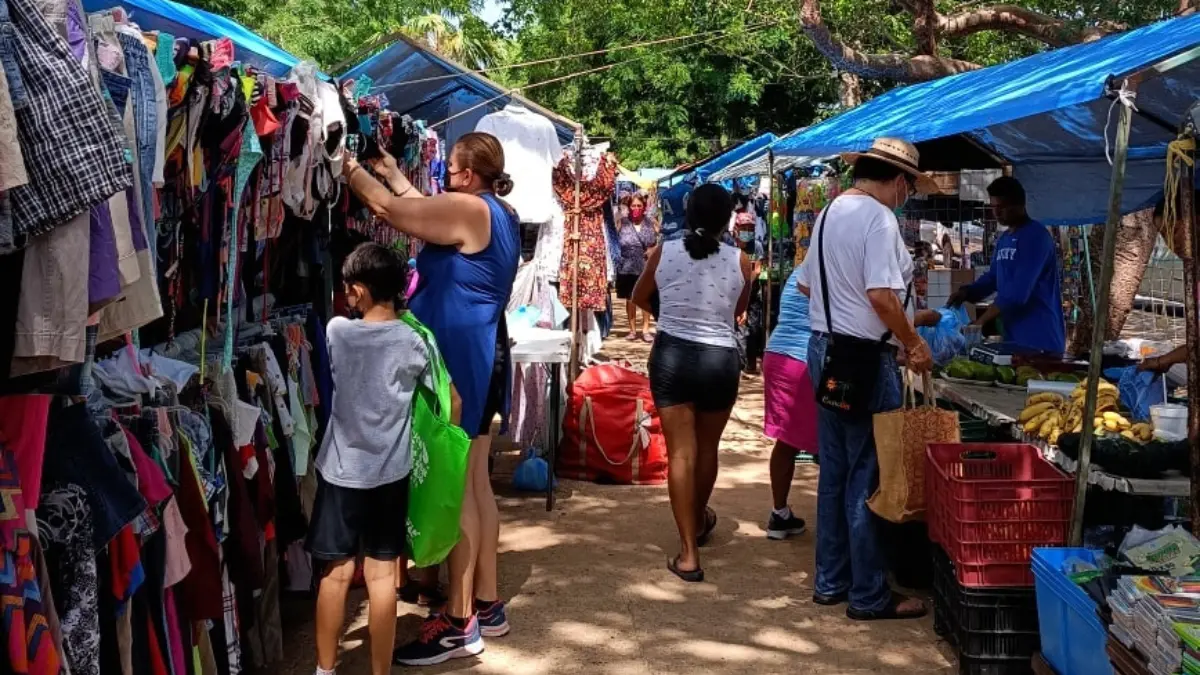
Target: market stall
<point>1065,121</point>
<point>162,401</point>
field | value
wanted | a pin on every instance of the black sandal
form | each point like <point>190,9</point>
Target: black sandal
<point>710,525</point>
<point>691,576</point>
<point>830,600</point>
<point>889,613</point>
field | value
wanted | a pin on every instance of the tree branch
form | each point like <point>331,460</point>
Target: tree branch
<point>894,66</point>
<point>1011,18</point>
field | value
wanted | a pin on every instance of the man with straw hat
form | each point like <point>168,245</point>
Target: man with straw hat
<point>859,272</point>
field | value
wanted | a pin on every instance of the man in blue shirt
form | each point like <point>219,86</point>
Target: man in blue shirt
<point>1024,276</point>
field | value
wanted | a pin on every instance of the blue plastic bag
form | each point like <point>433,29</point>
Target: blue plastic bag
<point>1138,390</point>
<point>532,474</point>
<point>946,339</point>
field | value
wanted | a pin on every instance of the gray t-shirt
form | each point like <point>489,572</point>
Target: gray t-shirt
<point>376,368</point>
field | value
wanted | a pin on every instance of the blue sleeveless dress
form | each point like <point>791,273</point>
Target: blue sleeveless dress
<point>462,298</point>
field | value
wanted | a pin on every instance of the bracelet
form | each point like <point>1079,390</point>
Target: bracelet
<point>353,171</point>
<point>406,191</point>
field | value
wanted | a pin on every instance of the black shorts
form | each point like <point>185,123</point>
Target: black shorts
<point>348,522</point>
<point>625,284</point>
<point>498,384</point>
<point>682,371</point>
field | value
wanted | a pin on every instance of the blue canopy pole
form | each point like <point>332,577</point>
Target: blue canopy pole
<point>1100,317</point>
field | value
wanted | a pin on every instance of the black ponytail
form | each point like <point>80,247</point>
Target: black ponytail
<point>708,213</point>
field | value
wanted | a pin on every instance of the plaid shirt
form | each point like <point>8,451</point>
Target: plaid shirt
<point>74,157</point>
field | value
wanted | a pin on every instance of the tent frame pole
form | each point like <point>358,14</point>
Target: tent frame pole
<point>1189,214</point>
<point>767,287</point>
<point>1100,321</point>
<point>576,324</point>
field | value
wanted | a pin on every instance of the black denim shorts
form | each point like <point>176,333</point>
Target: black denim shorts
<point>682,372</point>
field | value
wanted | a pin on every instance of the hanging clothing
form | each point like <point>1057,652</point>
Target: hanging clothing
<point>530,145</point>
<point>73,157</point>
<point>64,524</point>
<point>461,298</point>
<point>592,250</point>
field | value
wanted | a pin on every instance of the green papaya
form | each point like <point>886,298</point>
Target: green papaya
<point>1006,375</point>
<point>1025,374</point>
<point>1070,378</point>
<point>981,372</point>
<point>960,369</point>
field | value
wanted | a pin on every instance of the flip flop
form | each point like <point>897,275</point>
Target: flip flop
<point>710,524</point>
<point>691,576</point>
<point>888,613</point>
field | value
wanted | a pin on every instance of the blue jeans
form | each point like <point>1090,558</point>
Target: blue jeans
<point>849,559</point>
<point>145,115</point>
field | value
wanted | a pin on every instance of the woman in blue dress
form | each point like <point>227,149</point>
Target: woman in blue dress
<point>467,268</point>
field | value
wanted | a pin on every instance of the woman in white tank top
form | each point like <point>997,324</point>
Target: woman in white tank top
<point>702,285</point>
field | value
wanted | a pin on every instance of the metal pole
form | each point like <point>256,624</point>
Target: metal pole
<point>770,242</point>
<point>576,325</point>
<point>1100,322</point>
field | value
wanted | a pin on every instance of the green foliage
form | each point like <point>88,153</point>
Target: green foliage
<point>673,102</point>
<point>752,69</point>
<point>329,31</point>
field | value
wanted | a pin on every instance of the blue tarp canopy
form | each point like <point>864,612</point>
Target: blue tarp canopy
<point>673,199</point>
<point>700,171</point>
<point>426,86</point>
<point>183,21</point>
<point>1047,115</point>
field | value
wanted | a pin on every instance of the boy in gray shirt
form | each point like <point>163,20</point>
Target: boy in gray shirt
<point>365,458</point>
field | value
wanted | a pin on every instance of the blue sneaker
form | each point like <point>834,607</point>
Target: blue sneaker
<point>440,641</point>
<point>493,621</point>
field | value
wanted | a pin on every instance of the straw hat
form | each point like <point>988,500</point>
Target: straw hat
<point>900,154</point>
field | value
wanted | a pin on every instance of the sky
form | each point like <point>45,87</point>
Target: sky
<point>492,10</point>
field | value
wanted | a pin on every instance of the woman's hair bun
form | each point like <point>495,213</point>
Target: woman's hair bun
<point>502,185</point>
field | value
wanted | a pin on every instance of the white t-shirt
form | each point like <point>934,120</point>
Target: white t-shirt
<point>864,250</point>
<point>698,298</point>
<point>531,149</point>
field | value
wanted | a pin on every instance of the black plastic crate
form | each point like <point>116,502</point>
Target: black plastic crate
<point>1014,666</point>
<point>994,630</point>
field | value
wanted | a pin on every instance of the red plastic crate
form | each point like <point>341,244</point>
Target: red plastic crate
<point>994,575</point>
<point>988,505</point>
<point>994,532</point>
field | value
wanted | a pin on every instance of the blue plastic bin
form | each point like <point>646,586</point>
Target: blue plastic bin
<point>1073,637</point>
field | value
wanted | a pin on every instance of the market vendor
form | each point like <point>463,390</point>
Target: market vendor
<point>1024,276</point>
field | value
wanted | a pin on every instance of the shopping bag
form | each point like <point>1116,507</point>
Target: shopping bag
<point>946,340</point>
<point>1139,390</point>
<point>439,474</point>
<point>900,440</point>
<point>532,473</point>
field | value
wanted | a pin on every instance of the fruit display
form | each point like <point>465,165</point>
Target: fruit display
<point>1049,415</point>
<point>966,369</point>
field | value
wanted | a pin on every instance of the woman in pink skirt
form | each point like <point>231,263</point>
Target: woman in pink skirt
<point>791,409</point>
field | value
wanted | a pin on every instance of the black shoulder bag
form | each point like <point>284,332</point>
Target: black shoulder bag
<point>850,372</point>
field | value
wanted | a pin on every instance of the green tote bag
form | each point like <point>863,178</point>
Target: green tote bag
<point>439,474</point>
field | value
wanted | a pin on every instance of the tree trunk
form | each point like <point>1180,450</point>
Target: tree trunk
<point>1136,237</point>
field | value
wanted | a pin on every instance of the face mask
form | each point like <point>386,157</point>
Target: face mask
<point>637,213</point>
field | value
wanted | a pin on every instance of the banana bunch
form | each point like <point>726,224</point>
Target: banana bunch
<point>1044,416</point>
<point>1049,415</point>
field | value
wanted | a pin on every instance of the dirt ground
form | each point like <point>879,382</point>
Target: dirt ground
<point>589,592</point>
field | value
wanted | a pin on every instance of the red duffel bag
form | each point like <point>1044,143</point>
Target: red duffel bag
<point>612,433</point>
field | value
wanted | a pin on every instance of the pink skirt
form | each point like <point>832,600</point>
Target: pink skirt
<point>791,407</point>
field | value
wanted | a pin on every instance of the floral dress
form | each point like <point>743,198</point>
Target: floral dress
<point>593,253</point>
